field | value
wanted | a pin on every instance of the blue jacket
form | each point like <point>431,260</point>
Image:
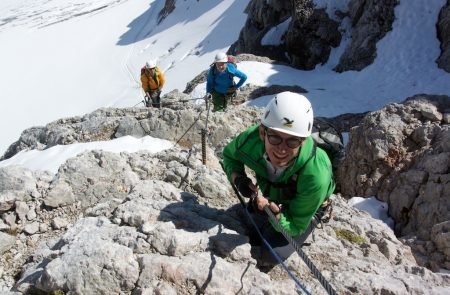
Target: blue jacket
<point>224,80</point>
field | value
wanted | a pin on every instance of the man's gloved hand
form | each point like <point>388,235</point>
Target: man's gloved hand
<point>243,184</point>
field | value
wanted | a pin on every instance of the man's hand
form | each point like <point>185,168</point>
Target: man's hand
<point>245,186</point>
<point>262,202</point>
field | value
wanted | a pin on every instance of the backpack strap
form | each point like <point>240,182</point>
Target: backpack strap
<point>155,78</point>
<point>290,187</point>
<point>228,72</point>
<point>214,73</point>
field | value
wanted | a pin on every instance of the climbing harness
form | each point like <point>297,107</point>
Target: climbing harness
<point>323,215</point>
<point>291,241</point>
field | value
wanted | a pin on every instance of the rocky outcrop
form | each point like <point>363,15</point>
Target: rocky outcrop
<point>169,6</point>
<point>443,29</point>
<point>262,15</point>
<point>401,154</point>
<point>310,37</point>
<point>104,124</point>
<point>181,120</point>
<point>307,41</point>
<point>371,20</point>
<point>311,33</point>
<point>145,223</point>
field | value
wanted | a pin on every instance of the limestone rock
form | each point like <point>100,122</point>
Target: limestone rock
<point>401,155</point>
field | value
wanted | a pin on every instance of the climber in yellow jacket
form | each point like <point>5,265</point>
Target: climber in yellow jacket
<point>152,80</point>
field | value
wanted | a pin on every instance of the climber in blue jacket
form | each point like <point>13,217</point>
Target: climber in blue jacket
<point>220,82</point>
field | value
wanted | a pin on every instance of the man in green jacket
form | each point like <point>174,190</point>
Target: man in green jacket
<point>293,176</point>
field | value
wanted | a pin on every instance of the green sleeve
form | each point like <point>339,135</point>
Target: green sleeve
<point>230,158</point>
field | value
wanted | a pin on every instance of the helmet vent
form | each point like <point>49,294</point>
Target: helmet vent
<point>267,114</point>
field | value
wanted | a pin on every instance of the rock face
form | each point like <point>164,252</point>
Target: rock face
<point>310,37</point>
<point>401,154</point>
<point>310,33</point>
<point>371,20</point>
<point>262,15</point>
<point>443,29</point>
<point>307,41</point>
<point>174,227</point>
<point>169,6</point>
<point>142,223</point>
<point>104,124</point>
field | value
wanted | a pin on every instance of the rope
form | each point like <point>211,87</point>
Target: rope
<point>146,98</point>
<point>178,101</point>
<point>267,244</point>
<point>207,115</point>
<point>302,254</point>
<point>139,103</point>
<point>189,128</point>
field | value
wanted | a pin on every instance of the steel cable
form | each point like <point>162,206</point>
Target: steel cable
<point>302,254</point>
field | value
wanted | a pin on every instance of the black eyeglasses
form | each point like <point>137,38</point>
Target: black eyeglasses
<point>291,142</point>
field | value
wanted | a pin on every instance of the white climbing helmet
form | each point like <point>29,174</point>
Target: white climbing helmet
<point>221,57</point>
<point>289,113</point>
<point>150,64</point>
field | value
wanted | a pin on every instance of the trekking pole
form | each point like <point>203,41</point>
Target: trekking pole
<point>302,254</point>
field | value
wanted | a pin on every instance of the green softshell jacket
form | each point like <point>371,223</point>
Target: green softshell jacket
<point>310,176</point>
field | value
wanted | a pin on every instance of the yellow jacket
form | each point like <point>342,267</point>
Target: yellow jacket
<point>153,82</point>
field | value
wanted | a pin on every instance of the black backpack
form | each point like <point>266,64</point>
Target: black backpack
<point>329,138</point>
